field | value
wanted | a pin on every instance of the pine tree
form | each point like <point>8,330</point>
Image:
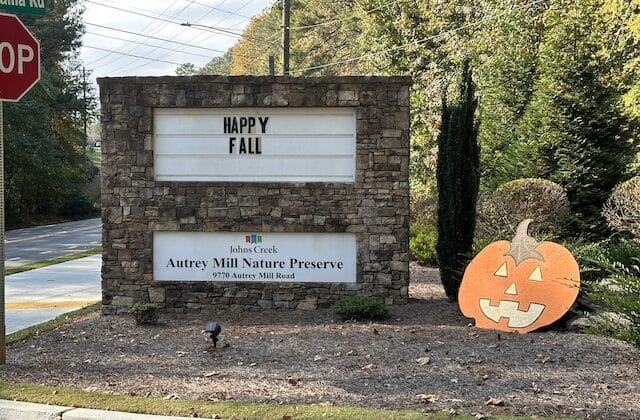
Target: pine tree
<point>458,178</point>
<point>581,135</point>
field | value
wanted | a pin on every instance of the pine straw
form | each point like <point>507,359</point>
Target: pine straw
<point>426,356</point>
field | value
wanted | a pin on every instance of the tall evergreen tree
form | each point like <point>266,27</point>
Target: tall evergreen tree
<point>458,177</point>
<point>582,138</point>
<point>506,78</point>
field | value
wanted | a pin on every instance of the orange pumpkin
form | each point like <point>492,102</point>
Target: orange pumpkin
<point>520,285</point>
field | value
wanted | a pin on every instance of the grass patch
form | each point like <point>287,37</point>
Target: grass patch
<point>52,261</point>
<point>154,405</point>
<point>95,156</point>
<point>66,396</point>
<point>52,324</point>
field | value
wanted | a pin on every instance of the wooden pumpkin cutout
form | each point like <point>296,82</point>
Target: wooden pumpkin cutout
<point>520,285</point>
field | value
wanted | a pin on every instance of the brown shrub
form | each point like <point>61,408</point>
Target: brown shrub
<point>500,212</point>
<point>622,209</point>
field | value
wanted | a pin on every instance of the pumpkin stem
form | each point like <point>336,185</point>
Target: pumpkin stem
<point>524,246</point>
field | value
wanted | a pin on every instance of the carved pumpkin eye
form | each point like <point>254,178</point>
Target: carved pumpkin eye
<point>502,271</point>
<point>536,275</point>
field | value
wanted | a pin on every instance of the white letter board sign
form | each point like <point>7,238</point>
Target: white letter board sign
<point>255,144</point>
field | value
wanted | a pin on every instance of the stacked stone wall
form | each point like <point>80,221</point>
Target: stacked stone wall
<point>134,205</point>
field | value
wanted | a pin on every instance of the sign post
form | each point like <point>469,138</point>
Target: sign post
<point>19,72</point>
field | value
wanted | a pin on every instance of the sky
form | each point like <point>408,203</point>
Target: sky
<point>122,36</point>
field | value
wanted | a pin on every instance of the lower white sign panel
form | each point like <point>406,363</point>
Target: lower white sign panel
<point>256,257</point>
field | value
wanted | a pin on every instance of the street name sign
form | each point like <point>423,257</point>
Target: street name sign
<point>26,7</point>
<point>19,59</point>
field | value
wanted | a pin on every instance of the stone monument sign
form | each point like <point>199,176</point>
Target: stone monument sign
<point>254,192</point>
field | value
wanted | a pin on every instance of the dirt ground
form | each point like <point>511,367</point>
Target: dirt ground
<point>426,356</point>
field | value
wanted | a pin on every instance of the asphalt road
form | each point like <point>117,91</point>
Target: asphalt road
<point>24,246</point>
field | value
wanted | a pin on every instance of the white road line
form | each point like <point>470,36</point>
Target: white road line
<point>49,235</point>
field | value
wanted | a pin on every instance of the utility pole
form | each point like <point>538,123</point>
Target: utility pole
<point>3,348</point>
<point>272,65</point>
<point>84,107</point>
<point>286,17</point>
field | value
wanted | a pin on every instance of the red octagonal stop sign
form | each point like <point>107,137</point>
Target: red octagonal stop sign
<point>19,59</point>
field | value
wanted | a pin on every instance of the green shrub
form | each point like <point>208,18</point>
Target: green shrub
<point>422,243</point>
<point>622,209</point>
<point>423,205</point>
<point>610,272</point>
<point>144,313</point>
<point>500,212</point>
<point>360,308</point>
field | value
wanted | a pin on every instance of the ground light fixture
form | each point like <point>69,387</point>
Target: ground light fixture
<point>214,329</point>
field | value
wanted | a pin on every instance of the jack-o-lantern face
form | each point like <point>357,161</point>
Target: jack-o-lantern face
<point>520,285</point>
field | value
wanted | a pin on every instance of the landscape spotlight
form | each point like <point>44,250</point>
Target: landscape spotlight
<point>214,329</point>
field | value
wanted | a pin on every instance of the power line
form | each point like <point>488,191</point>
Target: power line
<point>140,43</point>
<point>218,9</point>
<point>154,37</point>
<point>148,25</point>
<point>129,67</point>
<point>132,55</point>
<point>418,42</point>
<point>222,31</point>
<point>354,16</point>
<point>192,39</point>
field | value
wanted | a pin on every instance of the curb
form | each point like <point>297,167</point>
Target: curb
<point>17,410</point>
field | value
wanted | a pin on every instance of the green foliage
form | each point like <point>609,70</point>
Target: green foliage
<point>144,313</point>
<point>610,272</point>
<point>44,140</point>
<point>458,182</point>
<point>507,78</point>
<point>577,133</point>
<point>360,308</point>
<point>500,212</point>
<point>217,66</point>
<point>622,209</point>
<point>423,205</point>
<point>423,240</point>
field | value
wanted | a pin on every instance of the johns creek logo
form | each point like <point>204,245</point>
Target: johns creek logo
<point>253,239</point>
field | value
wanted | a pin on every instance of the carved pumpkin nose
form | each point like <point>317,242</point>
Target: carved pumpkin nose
<point>511,290</point>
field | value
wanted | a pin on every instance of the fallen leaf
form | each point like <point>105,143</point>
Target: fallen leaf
<point>252,364</point>
<point>181,353</point>
<point>210,348</point>
<point>318,358</point>
<point>376,332</point>
<point>601,387</point>
<point>495,402</point>
<point>226,345</point>
<point>368,367</point>
<point>423,361</point>
<point>292,382</point>
<point>337,354</point>
<point>430,398</point>
<point>286,417</point>
<point>210,374</point>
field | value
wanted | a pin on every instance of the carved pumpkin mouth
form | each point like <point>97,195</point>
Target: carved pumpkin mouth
<point>509,309</point>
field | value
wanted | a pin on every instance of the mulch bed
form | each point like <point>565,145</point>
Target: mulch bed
<point>426,356</point>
